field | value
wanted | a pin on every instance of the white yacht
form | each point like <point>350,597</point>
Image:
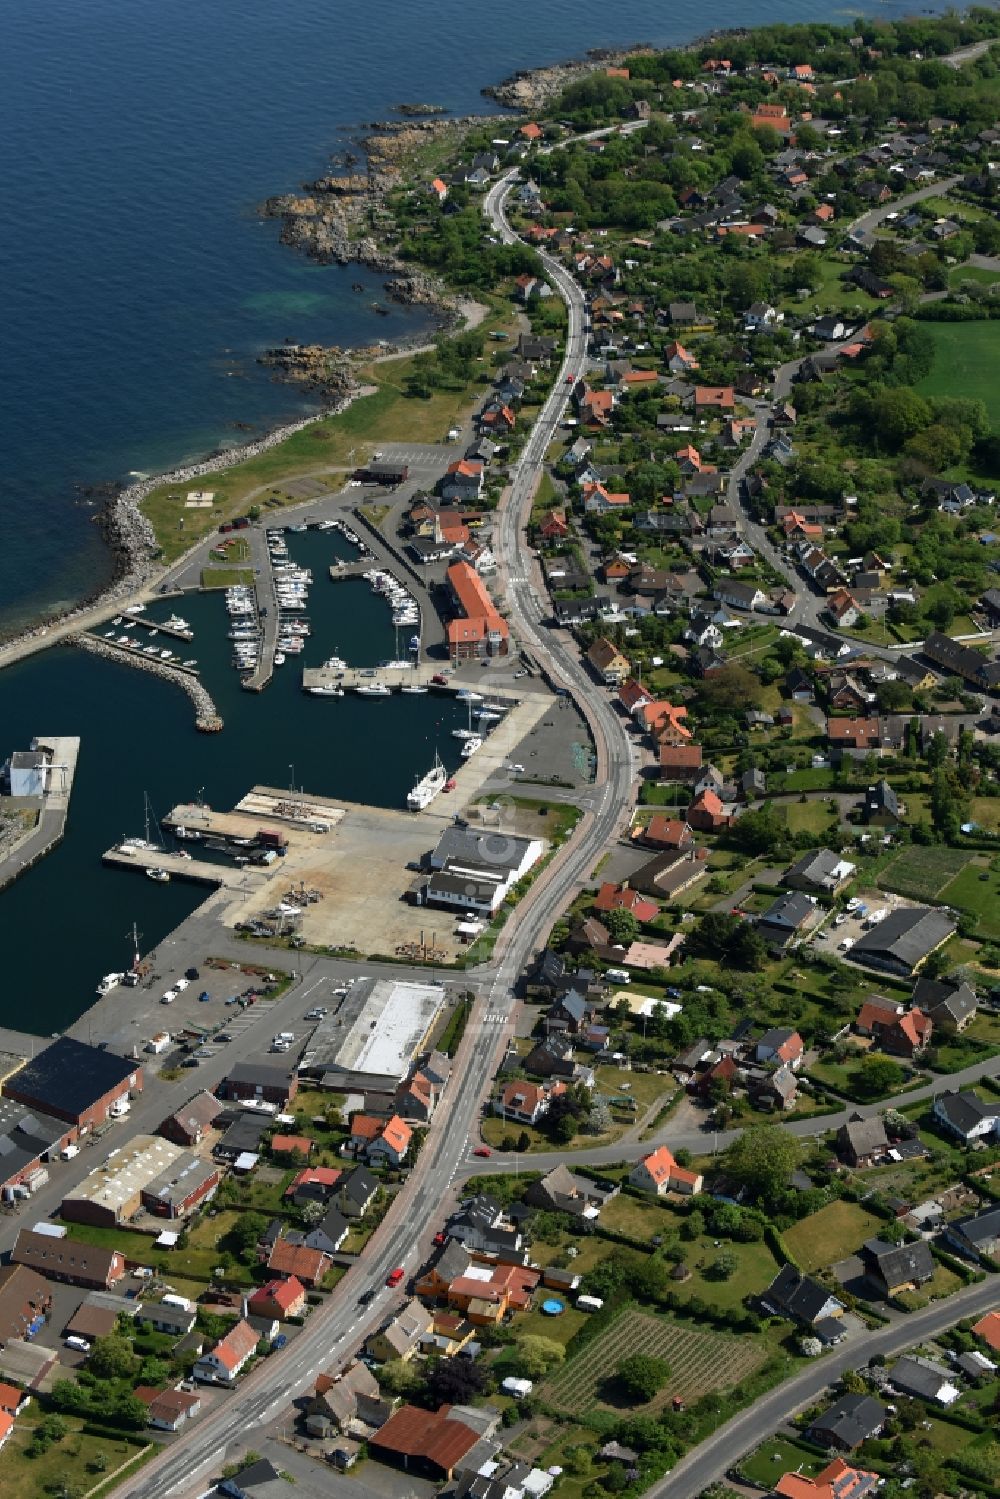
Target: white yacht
<point>466,695</point>
<point>279,658</point>
<point>414,687</point>
<point>322,691</point>
<point>470,746</point>
<point>160,876</point>
<point>374,689</point>
<point>108,982</point>
<point>428,787</point>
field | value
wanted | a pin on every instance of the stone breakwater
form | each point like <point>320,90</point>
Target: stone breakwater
<point>133,541</point>
<point>207,717</point>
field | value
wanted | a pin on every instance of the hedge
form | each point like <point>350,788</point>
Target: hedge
<point>778,1247</point>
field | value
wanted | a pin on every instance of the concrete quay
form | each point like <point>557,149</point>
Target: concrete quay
<point>181,866</point>
<point>260,557</point>
<point>53,808</point>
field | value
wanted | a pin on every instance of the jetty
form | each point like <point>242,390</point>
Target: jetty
<point>267,612</point>
<point>47,775</point>
<point>208,720</point>
<point>193,870</point>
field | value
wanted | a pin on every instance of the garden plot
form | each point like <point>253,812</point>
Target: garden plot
<point>699,1363</point>
<point>922,872</point>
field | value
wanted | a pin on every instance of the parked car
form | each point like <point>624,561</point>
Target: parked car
<point>204,997</point>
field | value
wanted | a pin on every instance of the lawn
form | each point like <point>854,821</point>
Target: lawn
<point>831,1234</point>
<point>778,1455</point>
<point>974,273</point>
<point>976,889</point>
<point>72,1458</point>
<point>699,1362</point>
<point>331,444</point>
<point>986,811</point>
<point>944,1282</point>
<point>227,577</point>
<point>965,364</point>
<point>923,872</point>
<point>808,817</point>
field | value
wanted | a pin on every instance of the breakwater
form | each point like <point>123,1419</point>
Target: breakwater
<point>207,717</point>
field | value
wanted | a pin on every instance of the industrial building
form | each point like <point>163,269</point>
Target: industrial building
<point>27,1138</point>
<point>114,1192</point>
<point>78,1083</point>
<point>370,1043</point>
<point>474,871</point>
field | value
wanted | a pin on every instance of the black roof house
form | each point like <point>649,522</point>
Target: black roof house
<point>847,1423</point>
<point>796,1296</point>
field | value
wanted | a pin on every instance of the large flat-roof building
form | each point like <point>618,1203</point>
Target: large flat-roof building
<point>474,871</point>
<point>75,1082</point>
<point>113,1193</point>
<point>370,1044</point>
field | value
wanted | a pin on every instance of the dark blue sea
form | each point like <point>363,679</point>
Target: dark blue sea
<point>138,286</point>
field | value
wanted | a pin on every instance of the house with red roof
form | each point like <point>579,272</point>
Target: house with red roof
<point>554,526</point>
<point>11,1399</point>
<point>531,132</point>
<point>613,897</point>
<point>708,398</point>
<point>595,407</point>
<point>659,1172</point>
<point>428,1443</point>
<point>905,1035</point>
<point>230,1356</point>
<point>168,1410</point>
<point>439,189</point>
<point>707,813</point>
<point>665,832</point>
<point>988,1329</point>
<point>640,379</point>
<point>600,501</point>
<point>291,1145</point>
<point>478,628</point>
<point>664,720</point>
<point>279,1299</point>
<point>797,528</point>
<point>287,1257</point>
<point>381,1140</point>
<point>843,608</point>
<point>802,72</point>
<point>679,359</point>
<point>526,1103</point>
<point>462,481</point>
<point>633,696</point>
<point>836,1481</point>
<point>680,762</point>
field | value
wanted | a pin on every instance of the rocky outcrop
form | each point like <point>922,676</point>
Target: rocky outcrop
<point>420,109</point>
<point>312,367</point>
<point>207,719</point>
<point>530,88</point>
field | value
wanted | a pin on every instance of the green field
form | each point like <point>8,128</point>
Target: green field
<point>808,817</point>
<point>965,363</point>
<point>977,889</point>
<point>699,1363</point>
<point>831,1234</point>
<point>923,872</point>
<point>83,1455</point>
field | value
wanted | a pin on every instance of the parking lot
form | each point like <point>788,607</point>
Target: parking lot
<point>849,927</point>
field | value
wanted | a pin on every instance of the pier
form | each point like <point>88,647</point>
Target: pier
<point>194,871</point>
<point>52,804</point>
<point>155,628</point>
<point>260,557</point>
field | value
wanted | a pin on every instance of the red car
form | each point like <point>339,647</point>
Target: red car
<point>395,1276</point>
<point>439,679</point>
<point>439,1238</point>
<point>482,1150</point>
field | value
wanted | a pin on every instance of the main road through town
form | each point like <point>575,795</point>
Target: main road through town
<point>335,1330</point>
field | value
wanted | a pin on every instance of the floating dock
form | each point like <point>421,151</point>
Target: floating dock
<point>134,653</point>
<point>52,804</point>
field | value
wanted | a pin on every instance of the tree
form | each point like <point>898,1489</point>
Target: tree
<point>246,1232</point>
<point>535,1355</point>
<point>456,1381</point>
<point>622,927</point>
<point>642,1376</point>
<point>877,1075</point>
<point>112,1358</point>
<point>731,689</point>
<point>724,1266</point>
<point>763,1158</point>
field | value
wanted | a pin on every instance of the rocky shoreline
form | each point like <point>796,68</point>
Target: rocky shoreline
<point>529,88</point>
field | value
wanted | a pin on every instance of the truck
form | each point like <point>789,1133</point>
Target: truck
<point>158,1043</point>
<point>269,838</point>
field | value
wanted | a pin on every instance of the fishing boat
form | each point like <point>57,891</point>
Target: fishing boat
<point>326,691</point>
<point>464,734</point>
<point>279,658</point>
<point>335,663</point>
<point>159,876</point>
<point>428,787</point>
<point>374,689</point>
<point>108,982</point>
<point>466,695</point>
<point>188,835</point>
<point>470,746</point>
<point>414,688</point>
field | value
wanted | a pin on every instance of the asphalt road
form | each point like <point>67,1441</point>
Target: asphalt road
<point>336,1329</point>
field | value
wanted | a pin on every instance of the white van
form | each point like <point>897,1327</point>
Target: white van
<point>589,1304</point>
<point>80,1344</point>
<point>618,975</point>
<point>179,1301</point>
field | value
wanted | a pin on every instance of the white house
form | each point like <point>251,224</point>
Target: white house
<point>231,1354</point>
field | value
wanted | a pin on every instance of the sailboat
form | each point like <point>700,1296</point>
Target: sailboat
<point>468,733</point>
<point>428,787</point>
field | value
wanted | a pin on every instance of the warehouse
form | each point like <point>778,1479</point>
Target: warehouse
<point>113,1193</point>
<point>179,1189</point>
<point>370,1044</point>
<point>78,1083</point>
<point>904,940</point>
<point>27,1137</point>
